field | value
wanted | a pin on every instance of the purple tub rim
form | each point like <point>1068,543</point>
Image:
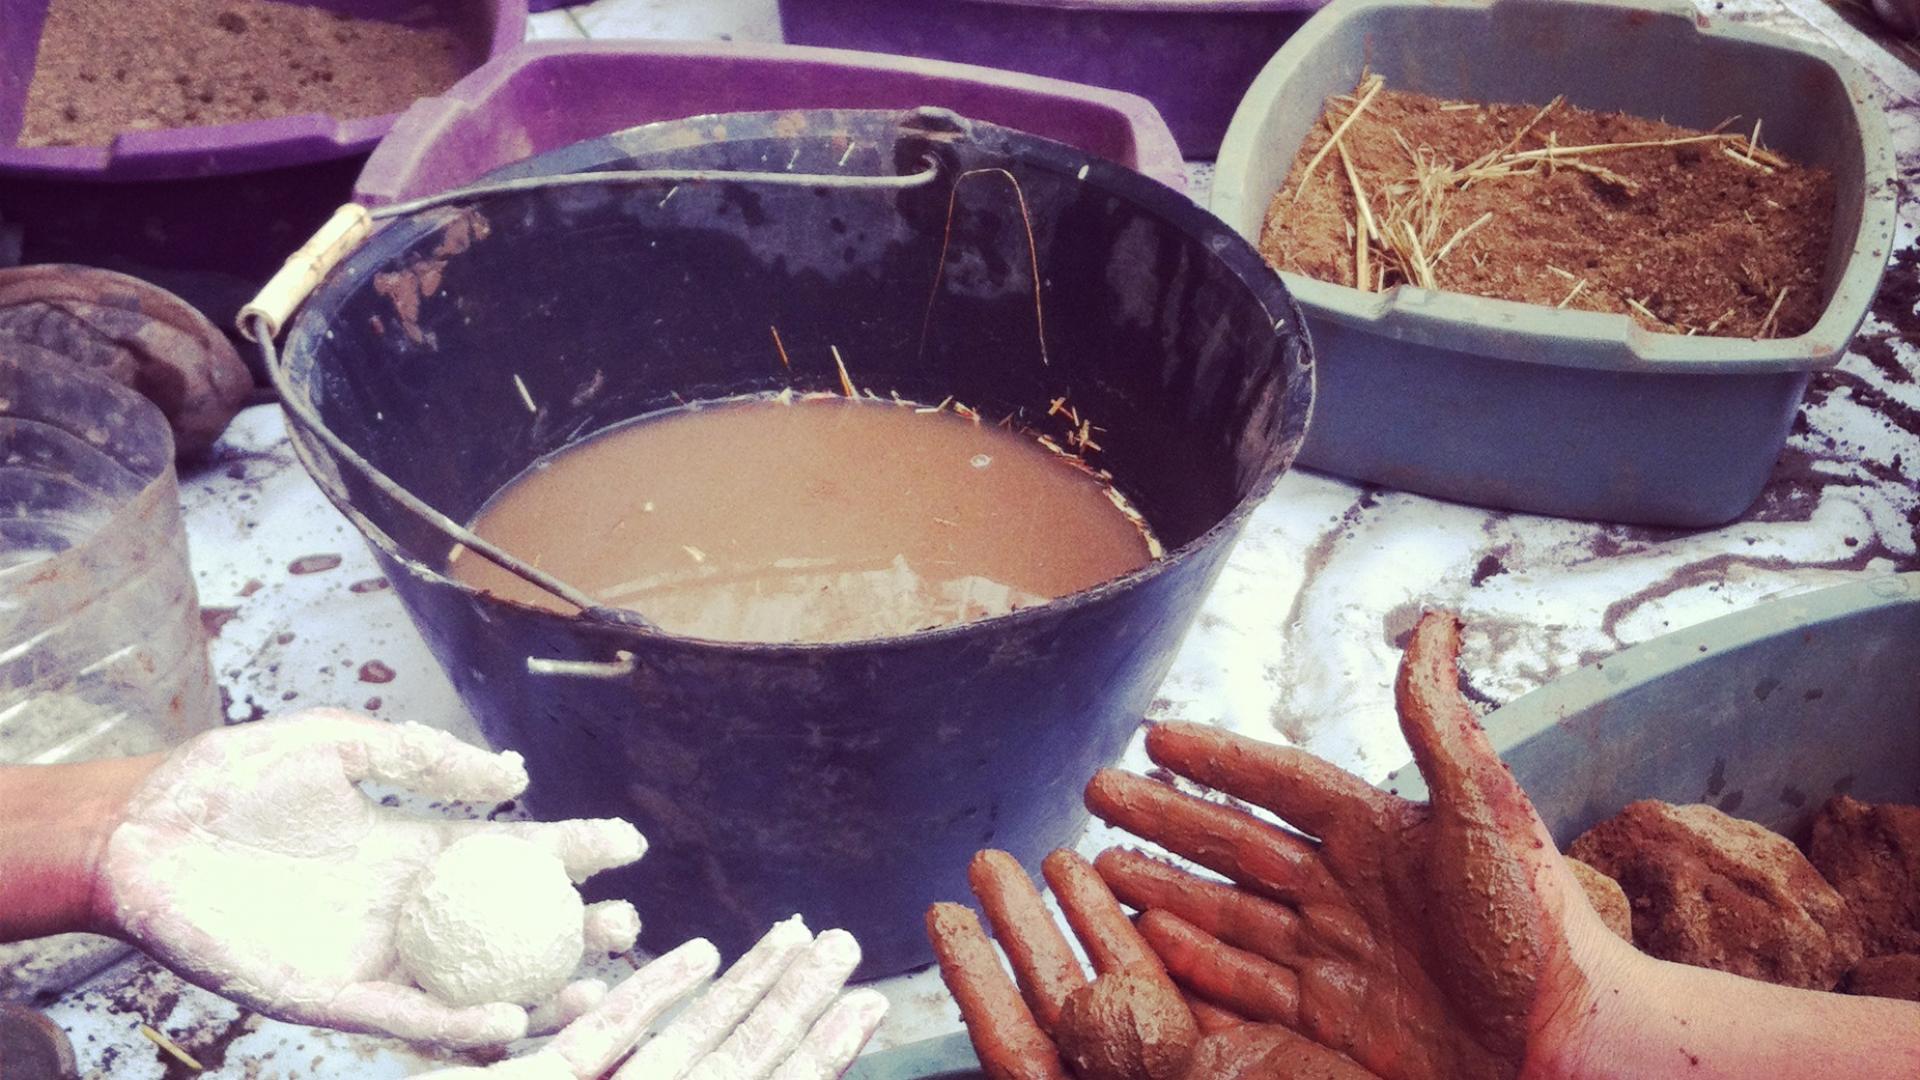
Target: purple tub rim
<point>225,149</point>
<point>1163,7</point>
<point>389,174</point>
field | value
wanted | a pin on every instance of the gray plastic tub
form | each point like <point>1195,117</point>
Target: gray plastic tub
<point>1579,414</point>
<point>1765,714</point>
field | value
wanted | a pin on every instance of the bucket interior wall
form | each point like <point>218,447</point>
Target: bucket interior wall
<point>849,783</point>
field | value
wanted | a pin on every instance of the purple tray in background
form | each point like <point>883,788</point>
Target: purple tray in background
<point>1192,58</point>
<point>550,94</point>
<point>208,212</point>
<point>490,27</point>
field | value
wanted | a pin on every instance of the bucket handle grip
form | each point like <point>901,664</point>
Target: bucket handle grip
<point>262,319</point>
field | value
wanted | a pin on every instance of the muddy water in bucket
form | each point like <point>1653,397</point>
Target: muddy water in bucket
<point>848,781</point>
<point>810,520</point>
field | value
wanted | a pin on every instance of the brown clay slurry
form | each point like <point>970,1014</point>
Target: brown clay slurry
<point>808,520</point>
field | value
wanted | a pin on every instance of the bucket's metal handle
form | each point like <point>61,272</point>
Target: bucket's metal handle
<point>262,320</point>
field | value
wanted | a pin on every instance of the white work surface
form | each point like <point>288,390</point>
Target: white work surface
<point>1297,642</point>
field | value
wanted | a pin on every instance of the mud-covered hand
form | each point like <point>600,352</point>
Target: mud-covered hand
<point>777,1013</point>
<point>1129,1022</point>
<point>1424,940</point>
<point>251,862</point>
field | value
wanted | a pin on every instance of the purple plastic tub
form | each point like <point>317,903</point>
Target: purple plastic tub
<point>550,94</point>
<point>1192,58</point>
<point>206,211</point>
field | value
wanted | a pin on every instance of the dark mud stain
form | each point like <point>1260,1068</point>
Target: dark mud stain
<point>372,704</point>
<point>373,671</point>
<point>214,619</point>
<point>1717,779</point>
<point>1491,565</point>
<point>313,564</point>
<point>369,585</point>
<point>1793,796</point>
<point>252,586</point>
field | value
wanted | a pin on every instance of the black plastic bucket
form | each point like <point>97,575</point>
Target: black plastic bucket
<point>848,782</point>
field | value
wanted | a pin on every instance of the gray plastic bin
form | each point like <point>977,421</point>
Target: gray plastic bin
<point>1764,713</point>
<point>1579,414</point>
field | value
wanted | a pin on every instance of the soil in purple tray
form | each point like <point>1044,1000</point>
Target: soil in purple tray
<point>110,66</point>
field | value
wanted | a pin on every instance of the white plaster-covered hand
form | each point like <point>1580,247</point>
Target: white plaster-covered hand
<point>251,862</point>
<point>777,1014</point>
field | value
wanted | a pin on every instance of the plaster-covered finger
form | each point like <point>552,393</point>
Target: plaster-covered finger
<point>1222,839</point>
<point>427,761</point>
<point>409,1013</point>
<point>1253,986</point>
<point>1235,916</point>
<point>1043,963</point>
<point>694,1034</point>
<point>586,846</point>
<point>612,926</point>
<point>1311,794</point>
<point>596,1041</point>
<point>776,1025</point>
<point>836,1038</point>
<point>573,1001</point>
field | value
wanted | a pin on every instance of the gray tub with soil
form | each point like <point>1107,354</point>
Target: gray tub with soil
<point>1579,414</point>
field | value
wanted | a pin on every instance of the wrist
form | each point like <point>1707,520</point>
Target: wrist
<point>1649,1018</point>
<point>55,822</point>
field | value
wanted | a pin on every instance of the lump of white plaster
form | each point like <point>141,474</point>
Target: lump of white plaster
<point>495,918</point>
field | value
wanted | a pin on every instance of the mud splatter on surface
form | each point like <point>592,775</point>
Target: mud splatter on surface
<point>313,564</point>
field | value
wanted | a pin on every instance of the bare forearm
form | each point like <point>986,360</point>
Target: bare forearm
<point>1708,1025</point>
<point>54,822</point>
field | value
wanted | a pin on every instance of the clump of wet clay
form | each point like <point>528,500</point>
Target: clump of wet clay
<point>135,333</point>
<point>1871,855</point>
<point>1685,231</point>
<point>1894,976</point>
<point>1127,1025</point>
<point>495,918</point>
<point>106,67</point>
<point>1713,891</point>
<point>1608,899</point>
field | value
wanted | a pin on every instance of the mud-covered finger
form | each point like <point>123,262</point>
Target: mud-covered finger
<point>775,1026</point>
<point>1104,930</point>
<point>592,1044</point>
<point>1043,962</point>
<point>836,1038</point>
<point>1253,986</point>
<point>610,926</point>
<point>1450,747</point>
<point>1227,841</point>
<point>1208,1017</point>
<point>1307,792</point>
<point>1005,1036</point>
<point>1235,916</point>
<point>1269,1052</point>
<point>585,846</point>
<point>694,1034</point>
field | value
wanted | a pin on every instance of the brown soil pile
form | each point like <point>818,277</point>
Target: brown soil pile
<point>1714,891</point>
<point>108,66</point>
<point>1713,236</point>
